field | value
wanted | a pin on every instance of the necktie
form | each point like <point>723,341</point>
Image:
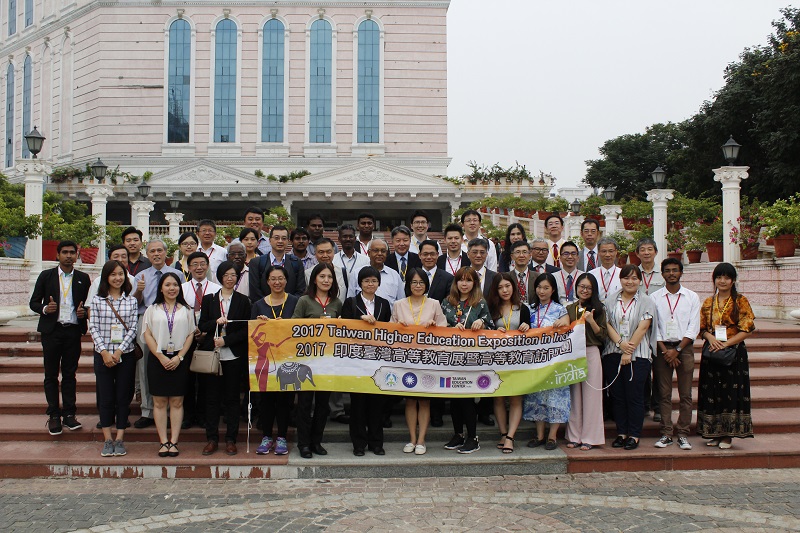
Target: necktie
<point>555,256</point>
<point>521,285</point>
<point>538,269</point>
<point>429,275</point>
<point>403,267</point>
<point>158,277</point>
<point>606,277</point>
<point>568,288</point>
<point>591,265</point>
<point>198,296</point>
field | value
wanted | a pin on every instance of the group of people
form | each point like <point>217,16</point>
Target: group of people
<point>146,319</point>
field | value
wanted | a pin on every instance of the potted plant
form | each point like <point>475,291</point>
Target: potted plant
<point>694,250</point>
<point>16,229</point>
<point>625,245</point>
<point>782,222</point>
<point>636,211</point>
<point>172,249</point>
<point>747,237</point>
<point>709,234</point>
<point>230,232</point>
<point>676,243</point>
<point>86,233</point>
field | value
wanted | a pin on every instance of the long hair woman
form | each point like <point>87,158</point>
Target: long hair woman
<point>514,233</point>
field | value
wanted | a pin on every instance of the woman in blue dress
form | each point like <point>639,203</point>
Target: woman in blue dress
<point>547,406</point>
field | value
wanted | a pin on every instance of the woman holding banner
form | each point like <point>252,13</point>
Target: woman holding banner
<point>465,308</point>
<point>548,406</point>
<point>320,301</point>
<point>418,310</point>
<point>275,406</point>
<point>508,314</point>
<point>628,348</point>
<point>366,410</point>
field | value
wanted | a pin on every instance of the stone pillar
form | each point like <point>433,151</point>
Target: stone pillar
<point>455,205</point>
<point>572,227</point>
<point>34,170</point>
<point>174,220</point>
<point>140,216</point>
<point>730,177</point>
<point>660,197</point>
<point>99,194</point>
<point>611,213</point>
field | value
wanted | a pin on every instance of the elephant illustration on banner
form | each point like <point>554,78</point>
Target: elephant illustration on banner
<point>293,374</point>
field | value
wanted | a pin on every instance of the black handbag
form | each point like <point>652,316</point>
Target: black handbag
<point>723,357</point>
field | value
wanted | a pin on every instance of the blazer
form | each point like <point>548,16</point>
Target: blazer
<point>548,269</point>
<point>582,260</point>
<point>529,290</point>
<point>442,261</point>
<point>487,284</point>
<point>354,308</point>
<point>413,262</point>
<point>440,286</point>
<point>236,333</point>
<point>46,286</point>
<point>295,282</point>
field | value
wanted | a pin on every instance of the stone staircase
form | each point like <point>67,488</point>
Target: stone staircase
<point>27,450</point>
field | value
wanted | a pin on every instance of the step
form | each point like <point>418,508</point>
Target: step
<point>34,349</point>
<point>35,365</point>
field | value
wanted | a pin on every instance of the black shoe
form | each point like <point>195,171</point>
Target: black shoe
<point>470,445</point>
<point>378,450</point>
<point>535,443</point>
<point>455,443</point>
<point>98,426</point>
<point>387,422</point>
<point>318,449</point>
<point>143,423</point>
<point>619,442</point>
<point>127,423</point>
<point>305,452</point>
<point>631,444</point>
<point>54,425</point>
<point>72,423</point>
<point>358,452</point>
<point>486,420</point>
<point>342,419</point>
<point>437,422</point>
<point>656,417</point>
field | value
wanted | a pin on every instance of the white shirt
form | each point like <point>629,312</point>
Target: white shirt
<point>683,307</point>
<point>452,265</point>
<point>392,287</point>
<point>363,247</point>
<point>550,259</point>
<point>65,296</point>
<point>350,264</point>
<point>562,282</point>
<point>431,272</point>
<point>491,257</point>
<point>225,353</point>
<point>414,247</point>
<point>216,256</point>
<point>188,289</point>
<point>606,287</point>
<point>369,305</point>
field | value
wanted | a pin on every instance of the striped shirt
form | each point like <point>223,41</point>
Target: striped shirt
<point>103,318</point>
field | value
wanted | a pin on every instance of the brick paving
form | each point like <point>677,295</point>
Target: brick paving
<point>730,500</point>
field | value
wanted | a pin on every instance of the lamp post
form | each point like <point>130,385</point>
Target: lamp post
<point>174,219</point>
<point>99,192</point>
<point>660,197</point>
<point>140,211</point>
<point>573,221</point>
<point>610,211</point>
<point>731,177</point>
<point>34,171</point>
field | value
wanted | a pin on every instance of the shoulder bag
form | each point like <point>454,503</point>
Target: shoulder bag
<point>137,350</point>
<point>723,357</point>
<point>207,361</point>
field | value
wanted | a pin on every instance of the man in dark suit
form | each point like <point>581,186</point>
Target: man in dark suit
<point>589,258</point>
<point>478,251</point>
<point>401,260</point>
<point>539,254</point>
<point>58,297</point>
<point>440,280</point>
<point>454,257</point>
<point>520,258</point>
<point>296,280</point>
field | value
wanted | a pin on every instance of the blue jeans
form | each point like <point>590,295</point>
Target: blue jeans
<point>627,392</point>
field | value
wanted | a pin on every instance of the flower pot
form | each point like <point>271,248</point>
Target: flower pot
<point>622,260</point>
<point>750,251</point>
<point>714,250</point>
<point>628,223</point>
<point>169,261</point>
<point>694,255</point>
<point>49,252</point>
<point>88,255</point>
<point>16,248</point>
<point>784,245</point>
<point>543,214</point>
<point>676,255</point>
<point>633,258</point>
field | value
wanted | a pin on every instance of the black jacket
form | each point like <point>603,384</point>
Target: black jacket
<point>46,286</point>
<point>354,308</point>
<point>441,284</point>
<point>413,262</point>
<point>442,261</point>
<point>235,333</point>
<point>295,282</point>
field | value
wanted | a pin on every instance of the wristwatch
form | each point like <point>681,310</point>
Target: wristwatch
<point>619,342</point>
<point>678,348</point>
<point>180,357</point>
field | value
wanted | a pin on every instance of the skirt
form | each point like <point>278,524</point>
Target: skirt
<point>550,405</point>
<point>163,382</point>
<point>723,398</point>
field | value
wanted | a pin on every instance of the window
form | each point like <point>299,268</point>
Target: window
<point>369,64</point>
<point>28,13</point>
<point>225,82</point>
<point>179,81</point>
<point>27,79</point>
<point>321,82</point>
<point>272,72</point>
<point>10,116</point>
<point>12,17</point>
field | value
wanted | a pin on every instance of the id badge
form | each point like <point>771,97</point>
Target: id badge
<point>116,334</point>
<point>672,330</point>
<point>721,333</point>
<point>625,328</point>
<point>325,315</point>
<point>170,347</point>
<point>64,314</point>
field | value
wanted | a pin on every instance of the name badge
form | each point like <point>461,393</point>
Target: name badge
<point>117,334</point>
<point>721,333</point>
<point>672,330</point>
<point>624,328</point>
<point>170,347</point>
<point>65,314</point>
<point>325,315</point>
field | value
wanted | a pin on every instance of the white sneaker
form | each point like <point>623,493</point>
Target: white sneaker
<point>664,441</point>
<point>408,448</point>
<point>684,443</point>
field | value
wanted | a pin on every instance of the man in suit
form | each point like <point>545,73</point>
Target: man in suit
<point>520,257</point>
<point>554,228</point>
<point>401,259</point>
<point>454,257</point>
<point>478,251</point>
<point>471,221</point>
<point>568,275</point>
<point>440,280</point>
<point>295,282</point>
<point>420,225</point>
<point>58,297</point>
<point>590,255</point>
<point>539,253</point>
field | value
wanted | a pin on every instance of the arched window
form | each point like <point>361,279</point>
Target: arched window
<point>179,81</point>
<point>272,72</point>
<point>12,17</point>
<point>27,84</point>
<point>10,116</point>
<point>321,82</point>
<point>369,64</point>
<point>28,13</point>
<point>225,82</point>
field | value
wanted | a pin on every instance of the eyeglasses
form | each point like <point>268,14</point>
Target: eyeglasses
<point>520,252</point>
<point>417,282</point>
<point>540,249</point>
<point>584,287</point>
<point>229,275</point>
<point>569,254</point>
<point>236,254</point>
<point>276,280</point>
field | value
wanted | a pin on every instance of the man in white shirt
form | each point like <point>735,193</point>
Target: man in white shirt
<point>254,218</point>
<point>652,280</point>
<point>366,226</point>
<point>419,226</point>
<point>607,274</point>
<point>553,229</point>
<point>678,326</point>
<point>568,275</point>
<point>348,259</point>
<point>324,254</point>
<point>590,232</point>
<point>454,257</point>
<point>207,232</point>
<point>471,222</point>
<point>392,287</point>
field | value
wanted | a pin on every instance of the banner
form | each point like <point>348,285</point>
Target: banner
<point>354,356</point>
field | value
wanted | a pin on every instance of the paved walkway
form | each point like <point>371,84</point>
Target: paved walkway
<point>738,500</point>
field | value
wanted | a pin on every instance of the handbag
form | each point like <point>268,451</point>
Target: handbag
<point>723,357</point>
<point>137,350</point>
<point>206,361</point>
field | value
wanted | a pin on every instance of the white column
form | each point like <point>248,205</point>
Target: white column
<point>34,170</point>
<point>174,220</point>
<point>730,177</point>
<point>455,205</point>
<point>287,204</point>
<point>611,213</point>
<point>660,197</point>
<point>142,209</point>
<point>572,226</point>
<point>99,194</point>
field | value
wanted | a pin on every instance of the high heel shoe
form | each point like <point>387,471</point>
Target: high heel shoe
<point>173,449</point>
<point>165,453</point>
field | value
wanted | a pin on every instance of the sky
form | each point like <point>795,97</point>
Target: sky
<point>547,82</point>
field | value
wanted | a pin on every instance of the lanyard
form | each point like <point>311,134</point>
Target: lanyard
<point>366,307</point>
<point>625,309</point>
<point>347,269</point>
<point>364,249</point>
<point>460,313</point>
<point>458,264</point>
<point>170,319</point>
<point>610,280</point>
<point>419,315</point>
<point>272,308</point>
<point>647,283</point>
<point>724,308</point>
<point>65,291</point>
<point>567,288</point>
<point>507,322</point>
<point>539,317</point>
<point>222,307</point>
<point>241,277</point>
<point>671,307</point>
<point>275,260</point>
<point>135,270</point>
<point>324,305</point>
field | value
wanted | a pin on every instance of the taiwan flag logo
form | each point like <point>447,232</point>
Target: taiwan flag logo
<point>444,383</point>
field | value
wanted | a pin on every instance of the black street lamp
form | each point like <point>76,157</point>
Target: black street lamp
<point>659,177</point>
<point>144,190</point>
<point>34,140</point>
<point>576,206</point>
<point>174,203</point>
<point>731,150</point>
<point>98,170</point>
<point>609,194</point>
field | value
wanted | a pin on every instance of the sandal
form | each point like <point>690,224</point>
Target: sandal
<point>502,443</point>
<point>573,445</point>
<point>173,449</point>
<point>585,447</point>
<point>713,442</point>
<point>165,453</point>
<point>506,449</point>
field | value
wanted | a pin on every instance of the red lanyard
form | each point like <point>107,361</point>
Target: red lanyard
<point>221,308</point>
<point>458,263</point>
<point>625,309</point>
<point>241,277</point>
<point>610,280</point>
<point>647,283</point>
<point>324,305</point>
<point>671,307</point>
<point>364,249</point>
<point>567,288</point>
<point>539,317</point>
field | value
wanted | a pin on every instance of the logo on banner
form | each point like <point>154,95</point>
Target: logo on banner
<point>410,380</point>
<point>390,379</point>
